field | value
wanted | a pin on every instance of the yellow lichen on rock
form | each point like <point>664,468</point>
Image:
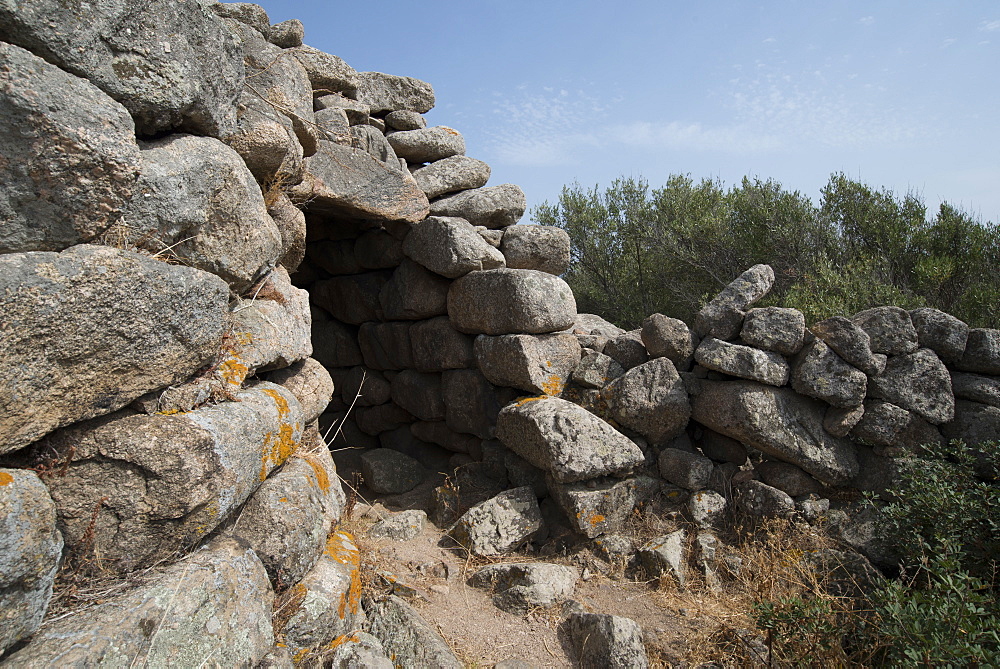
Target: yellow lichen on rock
<point>322,478</point>
<point>341,547</point>
<point>5,478</point>
<point>553,385</point>
<point>278,447</point>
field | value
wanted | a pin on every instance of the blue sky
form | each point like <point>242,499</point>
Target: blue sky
<point>904,95</point>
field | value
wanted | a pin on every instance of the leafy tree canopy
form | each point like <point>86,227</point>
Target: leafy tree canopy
<point>637,250</point>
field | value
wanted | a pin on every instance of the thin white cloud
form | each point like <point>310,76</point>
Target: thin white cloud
<point>948,42</point>
<point>770,40</point>
<point>989,26</point>
<point>867,20</point>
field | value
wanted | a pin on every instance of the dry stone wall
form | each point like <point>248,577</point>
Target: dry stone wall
<point>219,245</point>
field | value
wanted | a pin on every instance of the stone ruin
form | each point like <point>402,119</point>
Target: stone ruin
<point>223,252</point>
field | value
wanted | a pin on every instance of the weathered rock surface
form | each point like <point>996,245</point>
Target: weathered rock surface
<point>607,642</point>
<point>890,329</point>
<point>360,649</point>
<point>329,597</point>
<point>707,508</point>
<point>541,247</point>
<point>214,604</point>
<point>287,34</point>
<point>197,200</point>
<point>419,393</point>
<point>311,384</point>
<point>982,352</point>
<point>176,68</point>
<point>273,324</point>
<point>334,343</point>
<point>343,181</point>
<point>885,424</point>
<point>649,399</point>
<point>406,637</point>
<point>510,301</point>
<point>666,555</point>
<point>850,342</point>
<point>977,388</point>
<point>70,157</point>
<point>918,382</point>
<point>287,519</point>
<point>499,524</point>
<point>388,92</point>
<point>756,498</point>
<point>452,174</point>
<point>670,338</point>
<point>722,318</point>
<point>327,73</point>
<point>742,361</point>
<point>386,345</point>
<point>401,526</point>
<point>351,299</point>
<point>414,292</point>
<point>155,485</point>
<point>565,440</point>
<point>450,247</point>
<point>819,372</point>
<point>596,370</point>
<point>774,329</point>
<point>942,333</point>
<point>974,423</point>
<point>492,207</point>
<point>404,119</point>
<point>88,330</point>
<point>30,550</point>
<point>787,477</point>
<point>533,363</point>
<point>522,586</point>
<point>427,144</point>
<point>779,422</point>
<point>627,349</point>
<point>471,402</point>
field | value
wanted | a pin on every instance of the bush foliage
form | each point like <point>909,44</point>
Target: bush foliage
<point>637,250</point>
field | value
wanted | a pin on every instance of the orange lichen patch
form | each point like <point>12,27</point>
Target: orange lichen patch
<point>299,656</point>
<point>524,400</point>
<point>322,478</point>
<point>5,478</point>
<point>278,447</point>
<point>450,131</point>
<point>342,639</point>
<point>552,385</point>
<point>595,519</point>
<point>282,499</point>
<point>170,412</point>
<point>341,547</point>
<point>232,371</point>
<point>243,338</point>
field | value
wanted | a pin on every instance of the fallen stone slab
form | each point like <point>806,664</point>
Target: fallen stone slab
<point>565,440</point>
<point>214,604</point>
<point>522,586</point>
<point>607,642</point>
<point>500,524</point>
<point>89,330</point>
<point>650,399</point>
<point>189,82</point>
<point>510,301</point>
<point>666,555</point>
<point>707,508</point>
<point>722,318</point>
<point>593,509</point>
<point>60,128</point>
<point>30,552</point>
<point>533,363</point>
<point>139,489</point>
<point>690,471</point>
<point>742,361</point>
<point>492,207</point>
<point>787,477</point>
<point>758,499</point>
<point>401,526</point>
<point>406,637</point>
<point>779,422</point>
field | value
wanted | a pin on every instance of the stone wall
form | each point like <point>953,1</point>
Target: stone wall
<point>219,245</point>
